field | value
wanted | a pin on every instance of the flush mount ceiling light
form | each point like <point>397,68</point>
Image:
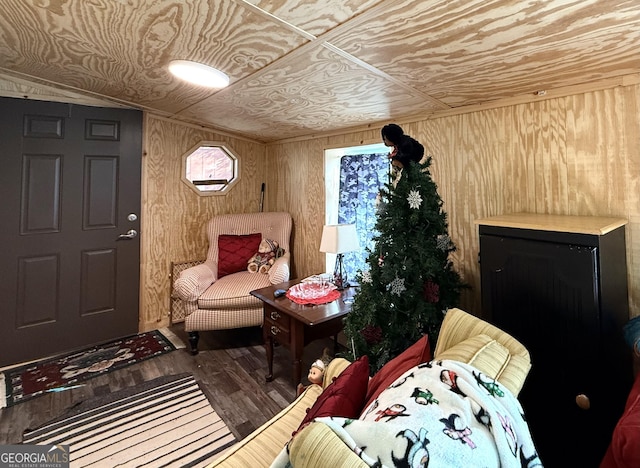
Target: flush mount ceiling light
<point>198,73</point>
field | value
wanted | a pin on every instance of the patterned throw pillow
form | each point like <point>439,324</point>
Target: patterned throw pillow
<point>234,251</point>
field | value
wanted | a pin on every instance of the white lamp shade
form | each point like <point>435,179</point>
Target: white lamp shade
<point>339,238</point>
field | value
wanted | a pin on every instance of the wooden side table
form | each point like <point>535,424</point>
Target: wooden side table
<point>295,325</point>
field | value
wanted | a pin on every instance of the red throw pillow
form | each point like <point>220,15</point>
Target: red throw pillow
<point>624,449</point>
<point>344,396</point>
<point>417,353</point>
<point>234,251</point>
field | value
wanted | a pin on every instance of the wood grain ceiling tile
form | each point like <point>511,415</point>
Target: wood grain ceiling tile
<point>312,18</point>
<point>471,51</point>
<point>123,52</point>
<point>320,92</point>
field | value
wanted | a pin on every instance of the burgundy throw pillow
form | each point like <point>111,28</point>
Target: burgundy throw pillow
<point>624,449</point>
<point>344,396</point>
<point>417,353</point>
<point>234,251</point>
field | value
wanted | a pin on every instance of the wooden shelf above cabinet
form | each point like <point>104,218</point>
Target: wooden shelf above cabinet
<point>595,225</point>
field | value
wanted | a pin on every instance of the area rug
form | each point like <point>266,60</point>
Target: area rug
<point>164,422</point>
<point>59,373</point>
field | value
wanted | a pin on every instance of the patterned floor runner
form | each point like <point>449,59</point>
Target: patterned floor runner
<point>59,373</point>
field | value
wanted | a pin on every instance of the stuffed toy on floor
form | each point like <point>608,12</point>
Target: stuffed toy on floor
<point>268,252</point>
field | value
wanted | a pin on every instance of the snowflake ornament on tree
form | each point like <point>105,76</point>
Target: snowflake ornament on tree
<point>414,199</point>
<point>443,242</point>
<point>397,286</point>
<point>366,277</point>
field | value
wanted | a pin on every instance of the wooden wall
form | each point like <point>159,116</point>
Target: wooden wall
<point>575,155</point>
<point>174,216</point>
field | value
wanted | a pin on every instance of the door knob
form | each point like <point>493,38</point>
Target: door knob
<point>583,401</point>
<point>131,233</point>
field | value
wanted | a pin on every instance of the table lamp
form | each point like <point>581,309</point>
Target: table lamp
<point>339,239</point>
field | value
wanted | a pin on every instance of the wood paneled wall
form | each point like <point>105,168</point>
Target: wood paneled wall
<point>573,155</point>
<point>577,155</point>
<point>174,216</point>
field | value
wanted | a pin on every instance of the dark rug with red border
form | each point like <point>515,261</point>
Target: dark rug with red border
<point>60,373</point>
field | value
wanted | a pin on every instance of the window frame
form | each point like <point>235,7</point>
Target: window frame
<point>231,154</point>
<point>332,158</point>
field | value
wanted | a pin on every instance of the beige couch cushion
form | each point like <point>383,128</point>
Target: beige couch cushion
<point>317,446</point>
<point>492,358</point>
<point>262,446</point>
<point>459,326</point>
<point>482,352</point>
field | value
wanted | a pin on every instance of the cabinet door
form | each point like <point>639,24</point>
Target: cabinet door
<point>532,287</point>
<point>546,295</point>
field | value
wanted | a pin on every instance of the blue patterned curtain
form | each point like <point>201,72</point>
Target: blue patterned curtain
<point>361,178</point>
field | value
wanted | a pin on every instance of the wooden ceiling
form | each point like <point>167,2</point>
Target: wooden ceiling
<point>301,67</point>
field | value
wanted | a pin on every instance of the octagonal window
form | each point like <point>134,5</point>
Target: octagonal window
<point>210,168</point>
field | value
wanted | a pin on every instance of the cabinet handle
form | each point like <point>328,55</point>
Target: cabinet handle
<point>274,330</point>
<point>274,315</point>
<point>583,401</point>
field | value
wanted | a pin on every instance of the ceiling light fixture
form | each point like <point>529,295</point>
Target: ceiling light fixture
<point>198,73</point>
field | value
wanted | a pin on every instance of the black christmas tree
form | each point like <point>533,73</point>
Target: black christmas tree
<point>409,281</point>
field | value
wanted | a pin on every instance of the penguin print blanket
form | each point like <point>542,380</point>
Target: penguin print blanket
<point>441,414</point>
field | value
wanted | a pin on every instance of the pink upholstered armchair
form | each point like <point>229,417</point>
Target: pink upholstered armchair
<point>216,293</point>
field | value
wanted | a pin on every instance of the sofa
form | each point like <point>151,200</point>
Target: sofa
<point>299,434</point>
<point>215,293</point>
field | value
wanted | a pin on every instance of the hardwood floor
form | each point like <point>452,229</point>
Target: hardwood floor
<point>230,368</point>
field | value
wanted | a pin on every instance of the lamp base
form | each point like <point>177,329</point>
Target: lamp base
<point>340,283</point>
<point>339,275</point>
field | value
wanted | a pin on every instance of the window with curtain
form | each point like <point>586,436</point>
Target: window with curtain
<point>361,178</point>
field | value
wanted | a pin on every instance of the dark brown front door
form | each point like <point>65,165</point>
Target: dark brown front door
<point>69,188</point>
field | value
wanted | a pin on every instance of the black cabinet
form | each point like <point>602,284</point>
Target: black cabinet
<point>559,285</point>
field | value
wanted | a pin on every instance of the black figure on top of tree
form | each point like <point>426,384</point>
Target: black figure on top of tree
<point>410,281</point>
<point>391,136</point>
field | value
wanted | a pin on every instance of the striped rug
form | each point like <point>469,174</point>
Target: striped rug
<point>162,423</point>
